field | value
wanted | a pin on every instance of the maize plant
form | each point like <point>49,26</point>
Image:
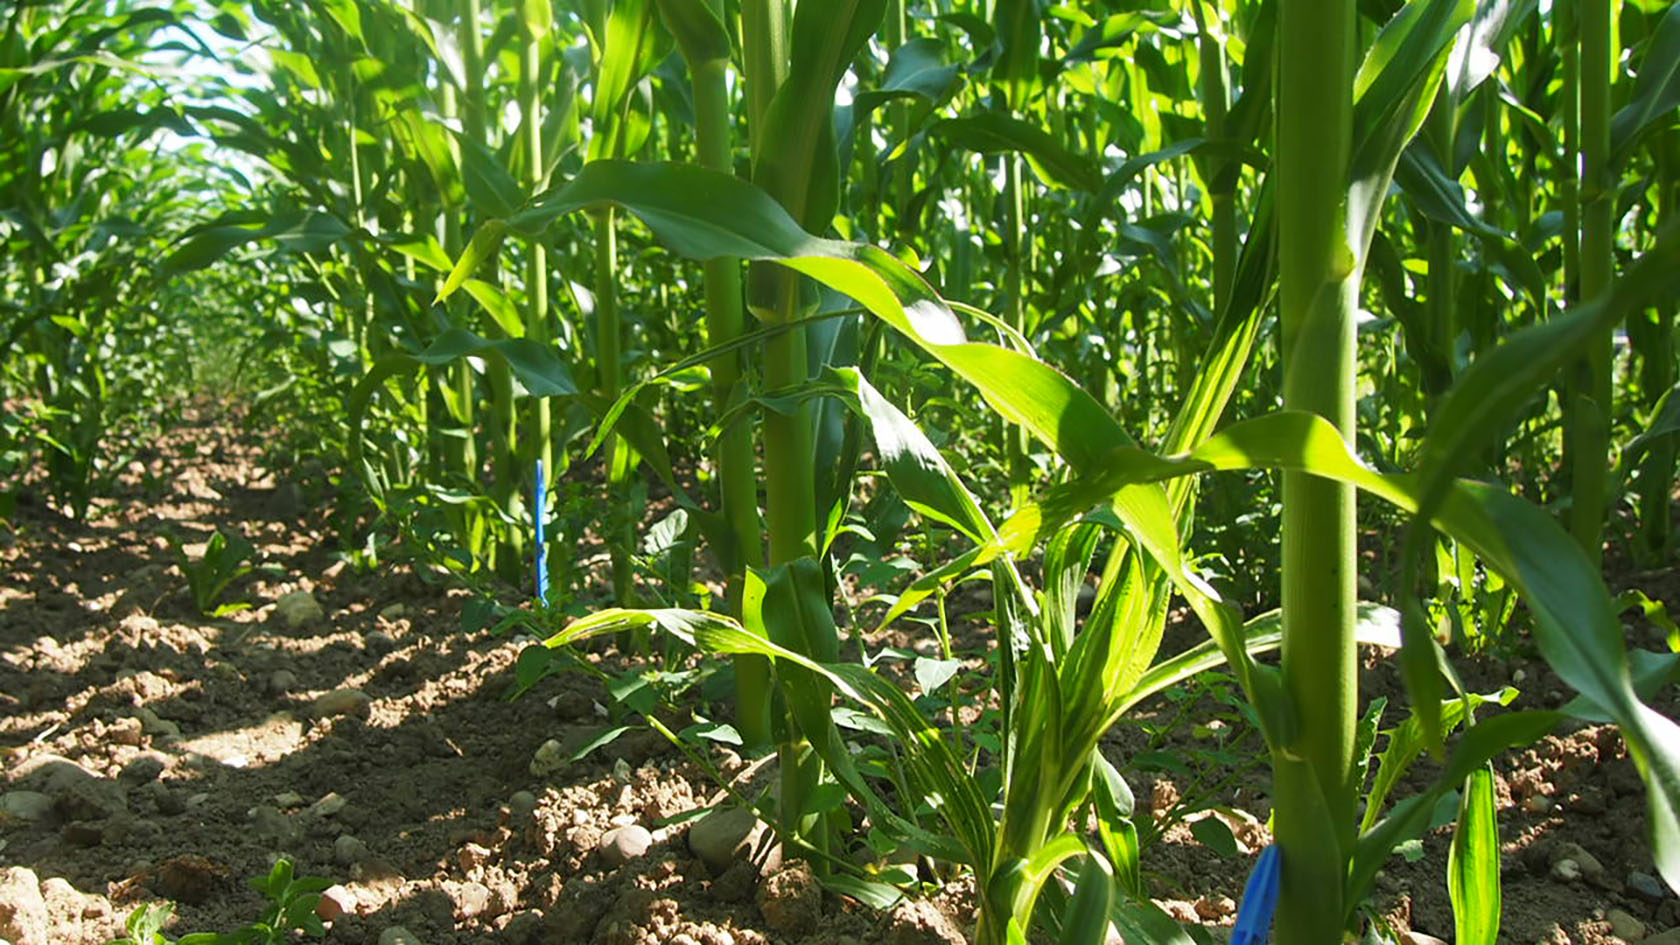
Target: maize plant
<point>1131,313</point>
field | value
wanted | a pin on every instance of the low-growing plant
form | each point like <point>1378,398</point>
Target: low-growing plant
<point>292,904</point>
<point>225,560</point>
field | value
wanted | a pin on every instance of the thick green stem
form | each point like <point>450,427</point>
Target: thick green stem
<point>738,486</point>
<point>540,448</point>
<point>1657,360</point>
<point>1015,436</point>
<point>609,382</point>
<point>1591,407</point>
<point>1315,794</point>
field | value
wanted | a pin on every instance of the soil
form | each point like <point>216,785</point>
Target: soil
<point>152,753</point>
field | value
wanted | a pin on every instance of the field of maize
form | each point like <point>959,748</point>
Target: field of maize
<point>838,472</point>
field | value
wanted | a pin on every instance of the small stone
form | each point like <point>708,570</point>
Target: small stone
<point>397,935</point>
<point>723,836</point>
<point>81,833</point>
<point>379,643</point>
<point>1625,926</point>
<point>549,759</point>
<point>1590,868</point>
<point>335,901</point>
<point>143,768</point>
<point>329,805</point>
<point>23,911</point>
<point>169,802</point>
<point>1213,908</point>
<point>470,899</point>
<point>472,856</point>
<point>81,795</point>
<point>125,731</point>
<point>621,771</point>
<point>1646,886</point>
<point>393,611</point>
<point>342,702</point>
<point>791,900</point>
<point>289,800</point>
<point>297,609</point>
<point>347,850</point>
<point>31,806</point>
<point>521,805</point>
<point>270,823</point>
<point>282,681</point>
<point>1537,804</point>
<point>159,728</point>
<point>1566,871</point>
<point>620,845</point>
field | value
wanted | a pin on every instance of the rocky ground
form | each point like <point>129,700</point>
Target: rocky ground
<point>345,721</point>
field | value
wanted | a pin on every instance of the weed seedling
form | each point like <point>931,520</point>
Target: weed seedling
<point>224,561</point>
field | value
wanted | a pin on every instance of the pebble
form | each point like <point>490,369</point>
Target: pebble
<point>1566,870</point>
<point>125,731</point>
<point>521,805</point>
<point>26,805</point>
<point>471,899</point>
<point>169,803</point>
<point>289,800</point>
<point>161,729</point>
<point>81,795</point>
<point>23,911</point>
<point>1646,886</point>
<point>393,611</point>
<point>1537,804</point>
<point>1586,864</point>
<point>143,768</point>
<point>298,609</point>
<point>397,935</point>
<point>379,643</point>
<point>348,850</point>
<point>328,805</point>
<point>791,901</point>
<point>1625,925</point>
<point>1215,907</point>
<point>269,822</point>
<point>471,856</point>
<point>549,759</point>
<point>341,702</point>
<point>1670,937</point>
<point>620,845</point>
<point>724,835</point>
<point>336,900</point>
<point>281,681</point>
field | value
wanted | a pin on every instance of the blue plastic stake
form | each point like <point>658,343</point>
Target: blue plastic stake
<point>542,544</point>
<point>1260,896</point>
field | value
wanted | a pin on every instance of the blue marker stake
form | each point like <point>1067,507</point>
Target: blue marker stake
<point>542,545</point>
<point>1260,896</point>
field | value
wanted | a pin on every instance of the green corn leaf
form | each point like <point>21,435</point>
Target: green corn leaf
<point>1656,93</point>
<point>1085,920</point>
<point>995,133</point>
<point>481,247</point>
<point>1019,33</point>
<point>917,70</point>
<point>1473,862</point>
<point>700,34</point>
<point>1406,743</point>
<point>1480,744</point>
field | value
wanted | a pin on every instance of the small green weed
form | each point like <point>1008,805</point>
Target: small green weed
<point>224,561</point>
<point>292,902</point>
